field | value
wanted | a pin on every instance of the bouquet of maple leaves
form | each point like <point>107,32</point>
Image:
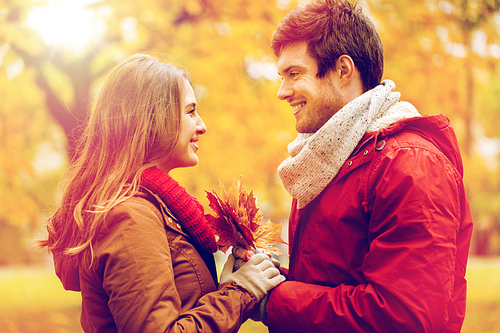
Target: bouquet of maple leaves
<point>237,221</point>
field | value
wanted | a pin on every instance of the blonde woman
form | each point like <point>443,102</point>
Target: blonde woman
<point>127,235</point>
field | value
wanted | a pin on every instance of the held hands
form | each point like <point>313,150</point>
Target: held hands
<point>242,255</point>
<point>258,275</point>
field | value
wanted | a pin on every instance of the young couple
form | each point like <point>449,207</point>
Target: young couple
<point>379,228</point>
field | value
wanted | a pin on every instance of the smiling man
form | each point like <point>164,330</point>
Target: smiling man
<point>314,100</point>
<point>380,226</point>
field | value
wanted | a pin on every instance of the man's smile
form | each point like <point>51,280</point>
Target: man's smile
<point>298,107</point>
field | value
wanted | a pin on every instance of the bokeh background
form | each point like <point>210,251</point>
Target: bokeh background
<point>444,57</point>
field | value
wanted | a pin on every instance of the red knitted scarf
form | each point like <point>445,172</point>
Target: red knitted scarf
<point>185,207</point>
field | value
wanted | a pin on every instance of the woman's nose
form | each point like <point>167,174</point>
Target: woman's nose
<point>201,128</point>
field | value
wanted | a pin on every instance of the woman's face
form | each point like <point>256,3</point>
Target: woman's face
<point>184,154</point>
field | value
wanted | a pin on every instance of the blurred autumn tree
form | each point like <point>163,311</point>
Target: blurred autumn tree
<point>224,44</point>
<point>443,56</point>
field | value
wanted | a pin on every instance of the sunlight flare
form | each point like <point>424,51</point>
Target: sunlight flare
<point>69,23</point>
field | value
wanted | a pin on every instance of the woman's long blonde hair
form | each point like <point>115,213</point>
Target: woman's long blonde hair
<point>134,123</point>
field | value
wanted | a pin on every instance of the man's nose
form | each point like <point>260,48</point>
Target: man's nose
<point>285,90</point>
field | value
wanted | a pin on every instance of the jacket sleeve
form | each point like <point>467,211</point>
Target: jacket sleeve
<point>413,207</point>
<point>135,265</point>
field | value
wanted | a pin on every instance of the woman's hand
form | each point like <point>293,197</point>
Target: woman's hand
<point>258,275</point>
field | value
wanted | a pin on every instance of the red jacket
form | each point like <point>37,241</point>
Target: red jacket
<point>384,247</point>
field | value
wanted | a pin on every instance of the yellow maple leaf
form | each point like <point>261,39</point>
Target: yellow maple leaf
<point>239,223</point>
<point>267,235</point>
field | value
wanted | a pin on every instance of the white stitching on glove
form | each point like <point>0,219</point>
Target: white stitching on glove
<point>258,275</point>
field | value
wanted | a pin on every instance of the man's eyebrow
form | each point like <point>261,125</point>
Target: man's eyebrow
<point>289,68</point>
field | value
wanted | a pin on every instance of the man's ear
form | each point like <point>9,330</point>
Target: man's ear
<point>345,69</point>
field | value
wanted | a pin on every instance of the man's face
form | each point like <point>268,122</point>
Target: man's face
<point>314,100</point>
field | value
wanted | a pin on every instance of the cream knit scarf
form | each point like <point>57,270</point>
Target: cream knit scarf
<point>315,158</point>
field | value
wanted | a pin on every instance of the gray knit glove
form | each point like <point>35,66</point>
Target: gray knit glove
<point>241,256</point>
<point>258,275</point>
<point>260,312</point>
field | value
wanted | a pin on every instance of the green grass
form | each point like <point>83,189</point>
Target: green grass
<point>32,300</point>
<point>483,296</point>
<point>29,288</point>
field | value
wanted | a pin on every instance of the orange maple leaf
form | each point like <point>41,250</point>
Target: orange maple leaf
<point>237,221</point>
